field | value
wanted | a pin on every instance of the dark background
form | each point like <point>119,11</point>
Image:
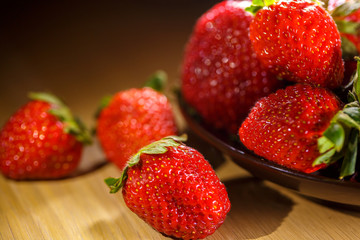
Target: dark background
<point>83,50</point>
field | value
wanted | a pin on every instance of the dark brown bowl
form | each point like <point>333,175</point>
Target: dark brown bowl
<point>314,185</point>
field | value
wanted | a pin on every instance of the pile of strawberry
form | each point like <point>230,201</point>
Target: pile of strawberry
<point>169,185</point>
<point>269,71</point>
<point>273,72</point>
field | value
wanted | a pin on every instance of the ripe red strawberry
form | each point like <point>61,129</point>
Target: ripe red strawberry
<point>41,140</point>
<point>304,128</point>
<point>221,75</point>
<point>284,127</point>
<point>298,41</point>
<point>174,189</point>
<point>132,119</point>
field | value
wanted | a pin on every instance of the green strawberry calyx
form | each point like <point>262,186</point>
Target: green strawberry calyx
<point>157,81</point>
<point>157,147</point>
<point>72,125</point>
<point>347,27</point>
<point>340,140</point>
<point>259,4</point>
<point>345,9</point>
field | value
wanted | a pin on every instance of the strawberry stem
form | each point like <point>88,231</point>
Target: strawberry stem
<point>356,86</point>
<point>348,166</point>
<point>72,125</point>
<point>345,9</point>
<point>258,5</point>
<point>157,81</point>
<point>157,147</point>
<point>340,140</point>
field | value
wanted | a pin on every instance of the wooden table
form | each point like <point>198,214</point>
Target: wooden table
<point>82,51</point>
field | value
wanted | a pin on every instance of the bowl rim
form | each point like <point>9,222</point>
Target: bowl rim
<point>311,185</point>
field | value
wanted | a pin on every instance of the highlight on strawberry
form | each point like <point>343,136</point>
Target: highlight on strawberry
<point>41,140</point>
<point>174,189</point>
<point>133,118</point>
<point>298,41</point>
<point>306,128</point>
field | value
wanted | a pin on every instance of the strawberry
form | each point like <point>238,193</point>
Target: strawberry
<point>220,69</point>
<point>174,189</point>
<point>284,127</point>
<point>305,128</point>
<point>298,41</point>
<point>132,119</point>
<point>42,140</point>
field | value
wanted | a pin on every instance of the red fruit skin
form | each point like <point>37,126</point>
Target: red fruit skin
<point>133,119</point>
<point>285,126</point>
<point>221,75</point>
<point>299,41</point>
<point>35,146</point>
<point>177,193</point>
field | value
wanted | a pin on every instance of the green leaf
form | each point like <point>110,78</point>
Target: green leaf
<point>347,120</point>
<point>46,97</point>
<point>157,147</point>
<point>111,181</point>
<point>253,9</point>
<point>348,167</point>
<point>348,48</point>
<point>324,158</point>
<point>336,134</point>
<point>268,2</point>
<point>352,104</point>
<point>324,144</point>
<point>115,184</point>
<point>104,102</point>
<point>258,4</point>
<point>72,125</point>
<point>157,81</point>
<point>346,9</point>
<point>353,112</point>
<point>348,27</point>
<point>356,86</point>
<point>351,97</point>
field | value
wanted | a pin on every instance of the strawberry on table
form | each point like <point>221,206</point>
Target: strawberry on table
<point>42,140</point>
<point>174,189</point>
<point>297,40</point>
<point>221,75</point>
<point>133,118</point>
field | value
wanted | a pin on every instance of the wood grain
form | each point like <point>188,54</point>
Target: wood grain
<point>81,208</point>
<point>82,51</point>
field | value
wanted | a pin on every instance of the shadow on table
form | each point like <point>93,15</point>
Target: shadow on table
<point>343,208</point>
<point>256,210</point>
